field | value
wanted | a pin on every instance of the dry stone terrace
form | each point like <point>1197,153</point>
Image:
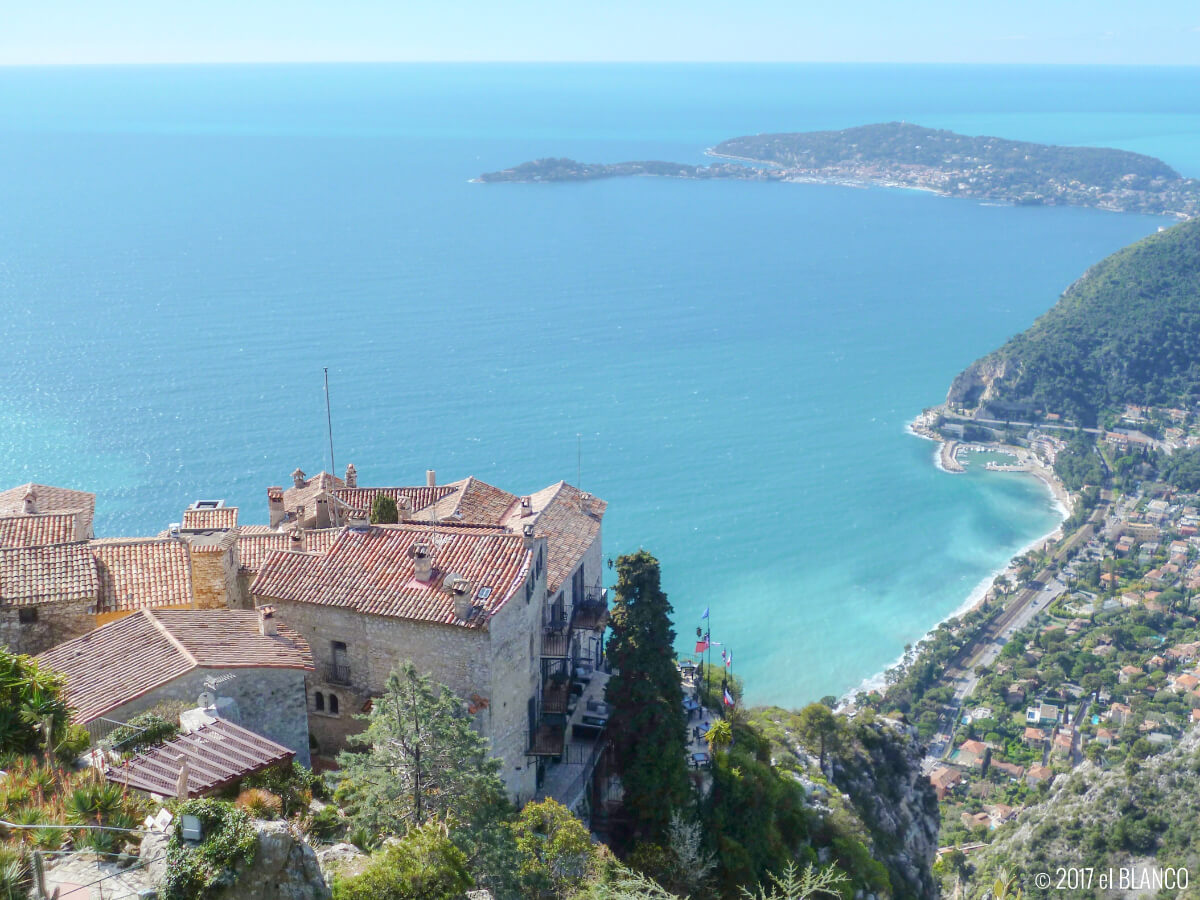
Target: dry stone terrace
<point>495,594</point>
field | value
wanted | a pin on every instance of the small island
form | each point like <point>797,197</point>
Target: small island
<point>899,154</point>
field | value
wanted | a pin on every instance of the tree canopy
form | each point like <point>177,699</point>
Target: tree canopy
<point>647,724</point>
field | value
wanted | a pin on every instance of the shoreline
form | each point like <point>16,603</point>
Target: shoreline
<point>1062,503</point>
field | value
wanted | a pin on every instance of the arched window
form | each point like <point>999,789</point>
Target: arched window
<point>320,702</point>
<point>333,704</point>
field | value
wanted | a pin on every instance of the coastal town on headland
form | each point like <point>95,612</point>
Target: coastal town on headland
<point>1087,648</point>
<point>901,155</point>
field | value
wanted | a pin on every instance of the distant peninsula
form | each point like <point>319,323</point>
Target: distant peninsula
<point>899,154</point>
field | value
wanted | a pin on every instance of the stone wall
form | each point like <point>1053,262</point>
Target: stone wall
<point>270,702</point>
<point>50,624</point>
<point>498,664</point>
<point>215,574</point>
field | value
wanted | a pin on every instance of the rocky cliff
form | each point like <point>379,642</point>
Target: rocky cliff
<point>1139,819</point>
<point>284,867</point>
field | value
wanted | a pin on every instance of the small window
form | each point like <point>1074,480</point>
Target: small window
<point>320,702</point>
<point>27,615</point>
<point>333,704</point>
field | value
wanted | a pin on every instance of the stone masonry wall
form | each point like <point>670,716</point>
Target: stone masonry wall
<point>498,664</point>
<point>56,622</point>
<point>214,577</point>
<point>270,702</point>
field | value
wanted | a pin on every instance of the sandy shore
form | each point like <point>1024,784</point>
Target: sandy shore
<point>946,458</point>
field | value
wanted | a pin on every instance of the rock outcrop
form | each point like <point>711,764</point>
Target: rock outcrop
<point>284,867</point>
<point>881,776</point>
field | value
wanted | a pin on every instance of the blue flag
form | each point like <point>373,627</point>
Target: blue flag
<point>705,616</point>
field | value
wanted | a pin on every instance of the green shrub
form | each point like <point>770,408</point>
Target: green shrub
<point>425,865</point>
<point>197,871</point>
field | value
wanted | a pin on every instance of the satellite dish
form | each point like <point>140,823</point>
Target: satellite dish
<point>206,700</point>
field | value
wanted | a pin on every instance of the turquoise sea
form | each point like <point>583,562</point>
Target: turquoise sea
<point>732,366</point>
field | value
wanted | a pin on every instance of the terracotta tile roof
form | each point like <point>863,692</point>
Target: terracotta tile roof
<point>473,502</point>
<point>217,755</point>
<point>319,540</point>
<point>418,497</point>
<point>255,546</point>
<point>371,571</point>
<point>142,573</point>
<point>50,499</point>
<point>223,518</point>
<point>570,521</point>
<point>38,530</point>
<point>131,657</point>
<point>306,496</point>
<point>60,572</point>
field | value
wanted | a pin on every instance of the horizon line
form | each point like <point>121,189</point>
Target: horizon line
<point>579,62</point>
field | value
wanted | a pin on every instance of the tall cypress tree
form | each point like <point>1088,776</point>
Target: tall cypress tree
<point>647,724</point>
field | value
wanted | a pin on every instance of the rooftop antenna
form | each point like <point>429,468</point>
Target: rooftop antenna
<point>329,423</point>
<point>579,459</point>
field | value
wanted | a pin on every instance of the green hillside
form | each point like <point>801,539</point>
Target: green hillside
<point>1128,331</point>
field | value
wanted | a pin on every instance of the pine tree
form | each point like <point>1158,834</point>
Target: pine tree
<point>384,511</point>
<point>422,760</point>
<point>647,724</point>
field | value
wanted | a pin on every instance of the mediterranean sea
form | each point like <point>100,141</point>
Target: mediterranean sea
<point>731,365</point>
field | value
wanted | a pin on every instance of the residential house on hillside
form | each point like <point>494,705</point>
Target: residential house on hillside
<point>47,595</point>
<point>250,666</point>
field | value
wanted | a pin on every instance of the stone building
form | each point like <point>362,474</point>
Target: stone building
<point>47,595</point>
<point>462,604</point>
<point>38,514</point>
<point>251,666</point>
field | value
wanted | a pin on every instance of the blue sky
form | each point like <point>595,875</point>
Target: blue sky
<point>986,31</point>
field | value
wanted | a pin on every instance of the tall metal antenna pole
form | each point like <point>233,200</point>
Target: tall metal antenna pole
<point>329,423</point>
<point>579,459</point>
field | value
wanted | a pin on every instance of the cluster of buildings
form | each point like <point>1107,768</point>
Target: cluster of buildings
<point>290,628</point>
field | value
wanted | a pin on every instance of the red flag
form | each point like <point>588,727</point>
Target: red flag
<point>702,644</point>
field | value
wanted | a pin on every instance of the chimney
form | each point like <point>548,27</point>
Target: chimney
<point>298,478</point>
<point>530,537</point>
<point>275,506</point>
<point>351,476</point>
<point>299,517</point>
<point>357,520</point>
<point>266,621</point>
<point>298,536</point>
<point>430,478</point>
<point>526,507</point>
<point>323,520</point>
<point>404,508</point>
<point>422,557</point>
<point>460,590</point>
<point>30,506</point>
<point>585,502</point>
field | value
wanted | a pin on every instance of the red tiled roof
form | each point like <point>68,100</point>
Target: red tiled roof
<point>60,572</point>
<point>142,573</point>
<point>50,499</point>
<point>570,522</point>
<point>38,530</point>
<point>130,657</point>
<point>222,518</point>
<point>371,571</point>
<point>473,502</point>
<point>255,546</point>
<point>306,496</point>
<point>418,497</point>
<point>218,754</point>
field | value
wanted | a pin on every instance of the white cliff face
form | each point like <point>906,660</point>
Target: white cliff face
<point>978,384</point>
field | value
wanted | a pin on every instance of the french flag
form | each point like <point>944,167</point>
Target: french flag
<point>728,698</point>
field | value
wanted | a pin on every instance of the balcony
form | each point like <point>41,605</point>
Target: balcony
<point>556,642</point>
<point>548,739</point>
<point>337,673</point>
<point>556,695</point>
<point>591,613</point>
